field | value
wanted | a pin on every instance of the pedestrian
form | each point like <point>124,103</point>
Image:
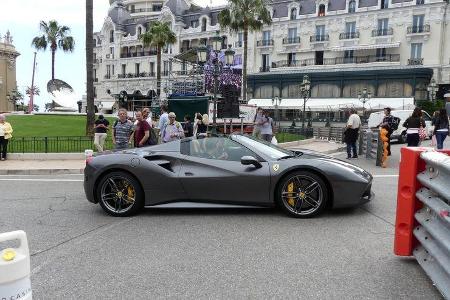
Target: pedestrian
<point>433,123</point>
<point>201,126</point>
<point>441,128</point>
<point>142,131</point>
<point>188,127</point>
<point>414,124</point>
<point>5,135</point>
<point>351,133</point>
<point>257,122</point>
<point>163,119</point>
<point>101,132</point>
<point>267,128</point>
<point>173,130</point>
<point>146,115</point>
<point>122,131</point>
<point>390,124</point>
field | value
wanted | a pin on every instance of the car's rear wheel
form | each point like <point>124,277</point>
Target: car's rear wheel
<point>120,194</point>
<point>302,194</point>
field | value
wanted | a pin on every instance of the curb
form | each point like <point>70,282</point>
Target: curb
<point>42,172</point>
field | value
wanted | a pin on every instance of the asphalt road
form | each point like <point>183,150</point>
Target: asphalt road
<point>191,252</point>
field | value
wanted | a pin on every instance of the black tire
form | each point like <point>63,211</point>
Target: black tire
<point>313,202</point>
<point>120,194</point>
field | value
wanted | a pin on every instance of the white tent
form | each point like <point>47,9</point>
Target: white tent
<point>335,104</point>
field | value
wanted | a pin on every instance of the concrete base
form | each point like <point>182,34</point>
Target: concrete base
<point>46,156</point>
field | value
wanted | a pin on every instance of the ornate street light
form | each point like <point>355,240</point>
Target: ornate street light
<point>364,97</point>
<point>276,101</point>
<point>217,42</point>
<point>202,53</point>
<point>305,88</point>
<point>229,55</point>
<point>432,89</point>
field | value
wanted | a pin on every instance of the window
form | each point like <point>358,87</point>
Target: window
<point>320,32</point>
<point>384,4</point>
<point>321,12</point>
<point>132,9</point>
<point>112,68</point>
<point>418,23</point>
<point>152,69</point>
<point>292,59</point>
<point>124,69</point>
<point>292,33</point>
<point>383,26</point>
<point>266,35</point>
<point>265,60</point>
<point>416,50</point>
<point>293,13</point>
<point>194,23</point>
<point>136,68</point>
<point>111,51</point>
<point>352,6</point>
<point>165,68</point>
<point>218,148</point>
<point>111,36</point>
<point>350,27</point>
<point>348,56</point>
<point>204,24</point>
<point>108,71</point>
<point>139,31</point>
<point>238,59</point>
<point>381,54</point>
<point>157,7</point>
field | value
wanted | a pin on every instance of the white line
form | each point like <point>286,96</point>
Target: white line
<point>385,176</point>
<point>41,180</point>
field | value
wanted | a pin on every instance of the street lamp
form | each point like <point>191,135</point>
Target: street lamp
<point>364,97</point>
<point>276,101</point>
<point>202,52</point>
<point>305,88</point>
<point>432,89</point>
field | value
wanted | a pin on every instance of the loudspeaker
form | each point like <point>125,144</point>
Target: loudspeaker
<point>228,107</point>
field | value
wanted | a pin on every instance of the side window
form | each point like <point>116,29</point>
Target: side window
<point>216,148</point>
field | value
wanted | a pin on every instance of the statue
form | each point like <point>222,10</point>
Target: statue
<point>8,38</point>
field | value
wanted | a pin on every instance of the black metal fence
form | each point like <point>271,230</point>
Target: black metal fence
<point>53,144</point>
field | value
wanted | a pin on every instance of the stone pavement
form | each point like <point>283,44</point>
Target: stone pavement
<point>47,164</point>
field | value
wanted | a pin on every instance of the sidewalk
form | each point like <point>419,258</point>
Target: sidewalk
<point>70,163</point>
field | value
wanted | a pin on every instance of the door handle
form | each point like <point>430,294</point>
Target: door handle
<point>188,174</point>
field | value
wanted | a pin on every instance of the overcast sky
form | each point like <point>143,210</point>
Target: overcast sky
<point>22,18</point>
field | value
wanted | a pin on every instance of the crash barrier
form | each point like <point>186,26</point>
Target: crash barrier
<point>370,145</point>
<point>15,280</point>
<point>329,133</point>
<point>422,226</point>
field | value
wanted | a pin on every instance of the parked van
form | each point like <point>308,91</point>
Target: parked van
<point>376,118</point>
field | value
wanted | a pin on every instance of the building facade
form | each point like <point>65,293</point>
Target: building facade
<point>391,47</point>
<point>8,55</point>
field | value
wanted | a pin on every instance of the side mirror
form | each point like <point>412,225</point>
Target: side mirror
<point>250,160</point>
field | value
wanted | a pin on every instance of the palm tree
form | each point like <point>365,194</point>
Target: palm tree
<point>159,35</point>
<point>90,111</point>
<point>57,37</point>
<point>245,16</point>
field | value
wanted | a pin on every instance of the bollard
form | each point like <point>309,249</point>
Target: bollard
<point>15,280</point>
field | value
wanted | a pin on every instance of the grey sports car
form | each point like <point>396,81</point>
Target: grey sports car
<point>235,169</point>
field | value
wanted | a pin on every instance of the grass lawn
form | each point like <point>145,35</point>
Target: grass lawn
<point>284,137</point>
<point>45,125</point>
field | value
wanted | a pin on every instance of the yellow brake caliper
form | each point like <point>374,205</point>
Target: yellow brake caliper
<point>130,190</point>
<point>290,189</point>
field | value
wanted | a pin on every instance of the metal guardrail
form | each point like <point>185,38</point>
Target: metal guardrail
<point>329,133</point>
<point>433,231</point>
<point>370,145</point>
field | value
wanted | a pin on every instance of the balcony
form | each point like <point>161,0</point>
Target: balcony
<point>138,54</point>
<point>415,61</point>
<point>185,49</point>
<point>319,38</point>
<point>134,75</point>
<point>338,61</point>
<point>420,2</point>
<point>291,40</point>
<point>107,76</point>
<point>239,44</point>
<point>264,69</point>
<point>382,32</point>
<point>349,35</point>
<point>418,29</point>
<point>264,43</point>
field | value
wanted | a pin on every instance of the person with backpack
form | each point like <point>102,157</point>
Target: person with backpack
<point>122,132</point>
<point>173,130</point>
<point>390,124</point>
<point>188,127</point>
<point>441,128</point>
<point>267,128</point>
<point>414,124</point>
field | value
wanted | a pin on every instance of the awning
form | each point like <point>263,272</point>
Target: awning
<point>108,105</point>
<point>335,104</point>
<point>367,47</point>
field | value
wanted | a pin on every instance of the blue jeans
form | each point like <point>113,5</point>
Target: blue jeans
<point>351,147</point>
<point>440,138</point>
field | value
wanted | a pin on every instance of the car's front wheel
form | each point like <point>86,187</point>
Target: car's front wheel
<point>302,194</point>
<point>120,194</point>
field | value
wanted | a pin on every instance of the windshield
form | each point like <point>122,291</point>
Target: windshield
<point>267,148</point>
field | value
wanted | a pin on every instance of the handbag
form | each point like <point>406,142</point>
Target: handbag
<point>422,133</point>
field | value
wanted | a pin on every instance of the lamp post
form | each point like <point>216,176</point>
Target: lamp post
<point>202,52</point>
<point>364,97</point>
<point>432,89</point>
<point>276,101</point>
<point>305,88</point>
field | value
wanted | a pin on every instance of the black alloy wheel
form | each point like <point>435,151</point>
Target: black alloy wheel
<point>302,194</point>
<point>120,194</point>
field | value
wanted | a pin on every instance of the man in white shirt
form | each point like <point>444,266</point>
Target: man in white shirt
<point>351,134</point>
<point>163,119</point>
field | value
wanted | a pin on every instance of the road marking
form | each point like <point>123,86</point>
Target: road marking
<point>41,180</point>
<point>385,176</point>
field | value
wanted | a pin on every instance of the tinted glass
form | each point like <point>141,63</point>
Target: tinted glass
<point>219,148</point>
<point>269,149</point>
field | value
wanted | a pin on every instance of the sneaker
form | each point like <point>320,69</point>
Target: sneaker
<point>349,157</point>
<point>355,156</point>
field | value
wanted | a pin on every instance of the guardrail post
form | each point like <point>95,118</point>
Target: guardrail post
<point>407,203</point>
<point>369,144</point>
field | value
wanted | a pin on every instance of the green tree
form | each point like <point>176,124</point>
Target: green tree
<point>55,36</point>
<point>246,16</point>
<point>158,35</point>
<point>90,113</point>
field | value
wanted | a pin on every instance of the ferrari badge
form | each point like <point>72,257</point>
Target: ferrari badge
<point>276,167</point>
